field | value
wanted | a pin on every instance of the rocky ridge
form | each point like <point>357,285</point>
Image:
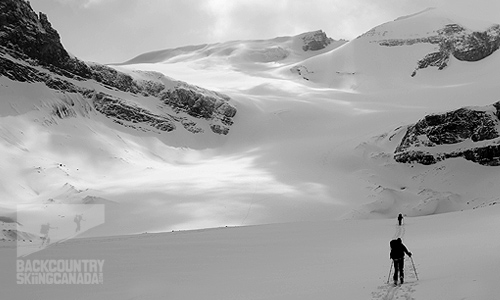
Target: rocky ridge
<point>472,133</point>
<point>31,51</point>
<point>452,40</point>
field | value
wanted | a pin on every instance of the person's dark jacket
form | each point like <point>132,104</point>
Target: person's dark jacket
<point>398,250</point>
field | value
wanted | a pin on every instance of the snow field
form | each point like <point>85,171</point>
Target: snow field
<point>455,255</point>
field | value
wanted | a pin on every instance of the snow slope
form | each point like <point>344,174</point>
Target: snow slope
<point>455,256</point>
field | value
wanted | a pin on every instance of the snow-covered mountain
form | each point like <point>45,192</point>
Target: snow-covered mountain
<point>278,50</point>
<point>61,115</point>
<point>403,48</point>
<point>258,143</point>
<point>104,121</point>
<point>404,118</point>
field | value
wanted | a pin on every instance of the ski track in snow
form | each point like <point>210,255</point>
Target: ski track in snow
<point>404,291</point>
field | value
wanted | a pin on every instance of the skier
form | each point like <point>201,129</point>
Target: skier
<point>78,219</point>
<point>398,251</point>
<point>400,219</point>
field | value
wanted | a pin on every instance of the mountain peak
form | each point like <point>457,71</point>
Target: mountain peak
<point>25,33</point>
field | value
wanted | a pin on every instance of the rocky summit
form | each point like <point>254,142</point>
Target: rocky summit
<point>31,51</point>
<point>471,133</point>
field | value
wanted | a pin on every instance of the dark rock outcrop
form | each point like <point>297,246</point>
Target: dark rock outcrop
<point>463,44</point>
<point>28,36</point>
<point>316,40</point>
<point>22,31</point>
<point>428,141</point>
<point>453,40</point>
<point>31,51</point>
<point>120,111</point>
<point>198,104</point>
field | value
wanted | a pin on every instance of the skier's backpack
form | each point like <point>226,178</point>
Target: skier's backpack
<point>394,245</point>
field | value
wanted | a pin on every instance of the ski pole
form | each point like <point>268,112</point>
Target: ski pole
<point>390,270</point>
<point>414,269</point>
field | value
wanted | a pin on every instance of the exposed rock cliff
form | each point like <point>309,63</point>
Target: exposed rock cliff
<point>31,51</point>
<point>471,133</point>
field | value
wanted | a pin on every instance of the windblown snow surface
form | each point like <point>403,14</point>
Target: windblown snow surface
<point>307,164</point>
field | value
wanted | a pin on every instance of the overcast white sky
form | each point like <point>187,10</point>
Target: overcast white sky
<point>108,31</point>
